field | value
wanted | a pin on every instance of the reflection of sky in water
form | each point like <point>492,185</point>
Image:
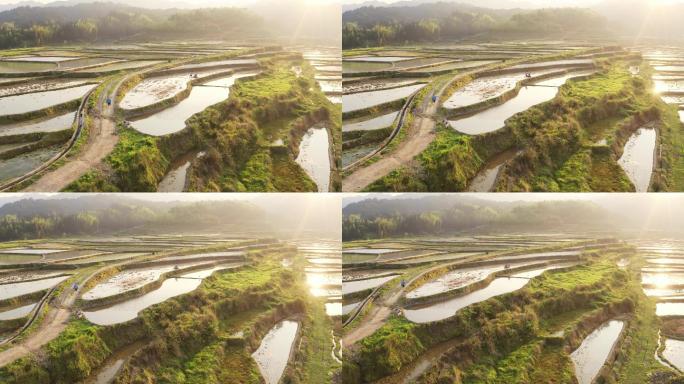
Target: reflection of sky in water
<point>324,273</point>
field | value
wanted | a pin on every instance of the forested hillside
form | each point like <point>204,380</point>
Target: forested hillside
<point>443,22</point>
<point>413,217</point>
<point>35,26</point>
<point>101,214</point>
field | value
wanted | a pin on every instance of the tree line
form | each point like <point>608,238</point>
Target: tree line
<point>17,30</point>
<point>359,31</point>
<point>471,217</point>
<point>130,217</point>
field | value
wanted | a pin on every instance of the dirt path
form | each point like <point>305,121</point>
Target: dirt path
<point>421,134</point>
<point>101,142</point>
<point>52,325</point>
<point>376,319</point>
<point>381,312</point>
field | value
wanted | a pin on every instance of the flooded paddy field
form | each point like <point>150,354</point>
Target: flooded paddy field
<point>54,124</point>
<point>119,66</point>
<point>323,272</point>
<point>364,100</point>
<point>274,352</point>
<point>314,156</point>
<point>593,353</point>
<point>25,162</point>
<point>486,88</point>
<point>638,158</point>
<point>486,178</point>
<point>40,100</point>
<point>13,290</point>
<point>376,84</point>
<point>129,309</point>
<point>379,122</point>
<point>11,67</point>
<point>40,85</point>
<point>327,72</point>
<point>495,118</point>
<point>172,119</point>
<point>175,179</point>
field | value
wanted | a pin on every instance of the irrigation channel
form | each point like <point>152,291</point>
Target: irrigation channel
<point>397,101</point>
<point>432,286</point>
<point>62,115</point>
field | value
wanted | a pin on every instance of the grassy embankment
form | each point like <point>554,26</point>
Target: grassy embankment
<point>513,338</point>
<point>236,136</point>
<point>557,140</point>
<point>205,336</point>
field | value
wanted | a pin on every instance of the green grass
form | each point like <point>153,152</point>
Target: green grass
<point>279,82</point>
<point>596,87</point>
<point>604,128</point>
<point>256,175</point>
<point>137,161</point>
<point>447,164</point>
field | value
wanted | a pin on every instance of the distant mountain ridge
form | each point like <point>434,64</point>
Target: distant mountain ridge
<point>642,19</point>
<point>150,4</point>
<point>64,13</point>
<point>492,4</point>
<point>412,13</point>
<point>291,19</point>
<point>451,214</point>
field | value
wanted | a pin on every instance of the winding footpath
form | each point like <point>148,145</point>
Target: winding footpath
<point>52,325</point>
<point>382,311</point>
<point>101,141</point>
<point>417,140</point>
<point>55,321</point>
<point>375,320</point>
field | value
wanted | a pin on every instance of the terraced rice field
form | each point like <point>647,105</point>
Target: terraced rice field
<point>109,289</point>
<point>479,91</point>
<point>436,295</point>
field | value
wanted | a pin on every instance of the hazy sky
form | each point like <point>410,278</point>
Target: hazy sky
<point>665,199</point>
<point>527,3</point>
<point>216,3</point>
<point>257,198</point>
